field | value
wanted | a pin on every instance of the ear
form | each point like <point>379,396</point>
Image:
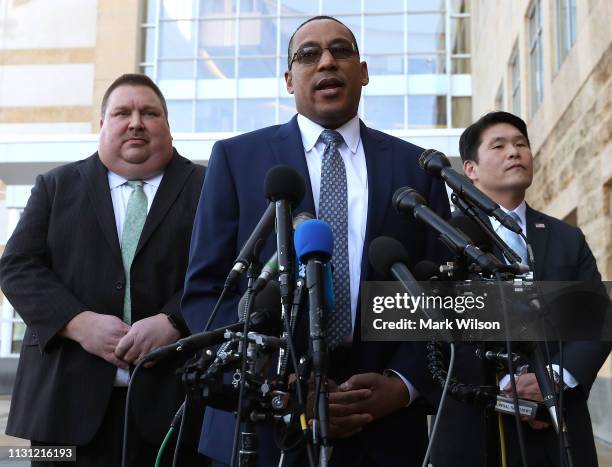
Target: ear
<point>470,168</point>
<point>289,81</point>
<point>365,77</point>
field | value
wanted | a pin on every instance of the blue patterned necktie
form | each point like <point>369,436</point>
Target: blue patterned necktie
<point>514,240</point>
<point>135,216</point>
<point>333,209</point>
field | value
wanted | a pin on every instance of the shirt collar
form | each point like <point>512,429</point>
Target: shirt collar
<point>520,210</point>
<point>311,131</point>
<point>115,180</point>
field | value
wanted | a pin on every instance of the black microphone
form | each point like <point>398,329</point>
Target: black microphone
<point>285,188</point>
<point>270,269</point>
<point>437,164</point>
<point>266,319</point>
<point>408,201</point>
<point>252,247</point>
<point>472,231</point>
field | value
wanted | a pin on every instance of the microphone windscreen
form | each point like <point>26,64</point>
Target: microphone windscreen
<point>473,231</point>
<point>384,252</point>
<point>284,182</point>
<point>314,238</point>
<point>425,270</point>
<point>406,199</point>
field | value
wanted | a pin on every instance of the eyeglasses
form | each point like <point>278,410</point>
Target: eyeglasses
<point>311,54</point>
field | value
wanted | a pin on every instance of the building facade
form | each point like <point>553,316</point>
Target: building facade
<point>550,61</point>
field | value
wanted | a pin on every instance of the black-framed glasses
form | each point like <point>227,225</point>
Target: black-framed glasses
<point>311,54</point>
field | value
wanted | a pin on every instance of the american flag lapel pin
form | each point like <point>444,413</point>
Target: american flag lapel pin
<point>540,225</point>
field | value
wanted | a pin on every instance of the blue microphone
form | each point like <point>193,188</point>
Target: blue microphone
<point>314,245</point>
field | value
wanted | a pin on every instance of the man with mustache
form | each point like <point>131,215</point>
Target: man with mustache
<point>95,267</point>
<point>497,158</point>
<point>351,172</point>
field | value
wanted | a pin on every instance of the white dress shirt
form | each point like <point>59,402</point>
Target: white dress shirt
<point>120,194</point>
<point>521,211</point>
<point>354,160</point>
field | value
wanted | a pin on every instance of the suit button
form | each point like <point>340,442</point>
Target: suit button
<point>119,285</point>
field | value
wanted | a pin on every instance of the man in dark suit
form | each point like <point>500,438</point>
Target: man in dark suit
<point>95,267</point>
<point>497,158</point>
<point>369,410</point>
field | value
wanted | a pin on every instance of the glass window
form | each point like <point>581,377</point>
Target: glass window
<point>175,69</point>
<point>216,69</point>
<point>461,107</point>
<point>385,64</point>
<point>426,33</point>
<point>566,28</point>
<point>148,46</point>
<point>384,34</point>
<point>354,24</point>
<point>299,7</point>
<point>150,11</point>
<point>214,115</point>
<point>257,68</point>
<point>177,39</point>
<point>386,6</point>
<point>147,70</point>
<point>217,38</point>
<point>217,7</point>
<point>426,64</point>
<point>183,9</point>
<point>460,36</point>
<point>257,36</point>
<point>255,113</point>
<point>264,7</point>
<point>426,111</point>
<point>18,332</point>
<point>180,114</point>
<point>515,82</point>
<point>426,5</point>
<point>286,109</point>
<point>535,56</point>
<point>287,28</point>
<point>333,7</point>
<point>384,112</point>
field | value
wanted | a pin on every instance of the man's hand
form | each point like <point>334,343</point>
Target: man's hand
<point>144,336</point>
<point>388,393</point>
<point>527,387</point>
<point>344,418</point>
<point>98,334</point>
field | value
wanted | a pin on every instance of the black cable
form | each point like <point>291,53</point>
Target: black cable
<point>211,318</point>
<point>517,416</point>
<point>245,340</point>
<point>125,415</point>
<point>183,410</point>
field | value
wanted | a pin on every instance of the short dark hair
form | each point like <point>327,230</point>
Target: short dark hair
<point>470,139</point>
<point>132,79</point>
<point>316,18</point>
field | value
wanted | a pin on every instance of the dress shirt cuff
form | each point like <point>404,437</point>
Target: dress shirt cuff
<point>412,391</point>
<point>568,378</point>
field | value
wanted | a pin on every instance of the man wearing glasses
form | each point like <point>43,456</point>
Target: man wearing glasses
<point>379,389</point>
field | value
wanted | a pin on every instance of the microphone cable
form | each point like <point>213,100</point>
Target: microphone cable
<point>434,430</point>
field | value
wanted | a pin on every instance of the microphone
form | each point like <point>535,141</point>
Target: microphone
<point>409,202</point>
<point>270,269</point>
<point>314,245</point>
<point>472,231</point>
<point>252,247</point>
<point>266,320</point>
<point>437,164</point>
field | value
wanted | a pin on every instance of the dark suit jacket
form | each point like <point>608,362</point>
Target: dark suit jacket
<point>233,201</point>
<point>64,258</point>
<point>467,432</point>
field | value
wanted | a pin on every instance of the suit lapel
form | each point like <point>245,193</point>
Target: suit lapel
<point>288,149</point>
<point>96,177</point>
<point>172,183</point>
<point>379,163</point>
<point>537,236</point>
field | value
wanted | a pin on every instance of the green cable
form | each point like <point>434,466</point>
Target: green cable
<point>163,446</point>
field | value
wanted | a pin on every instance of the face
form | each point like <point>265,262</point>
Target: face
<point>135,140</point>
<point>326,92</point>
<point>505,163</point>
